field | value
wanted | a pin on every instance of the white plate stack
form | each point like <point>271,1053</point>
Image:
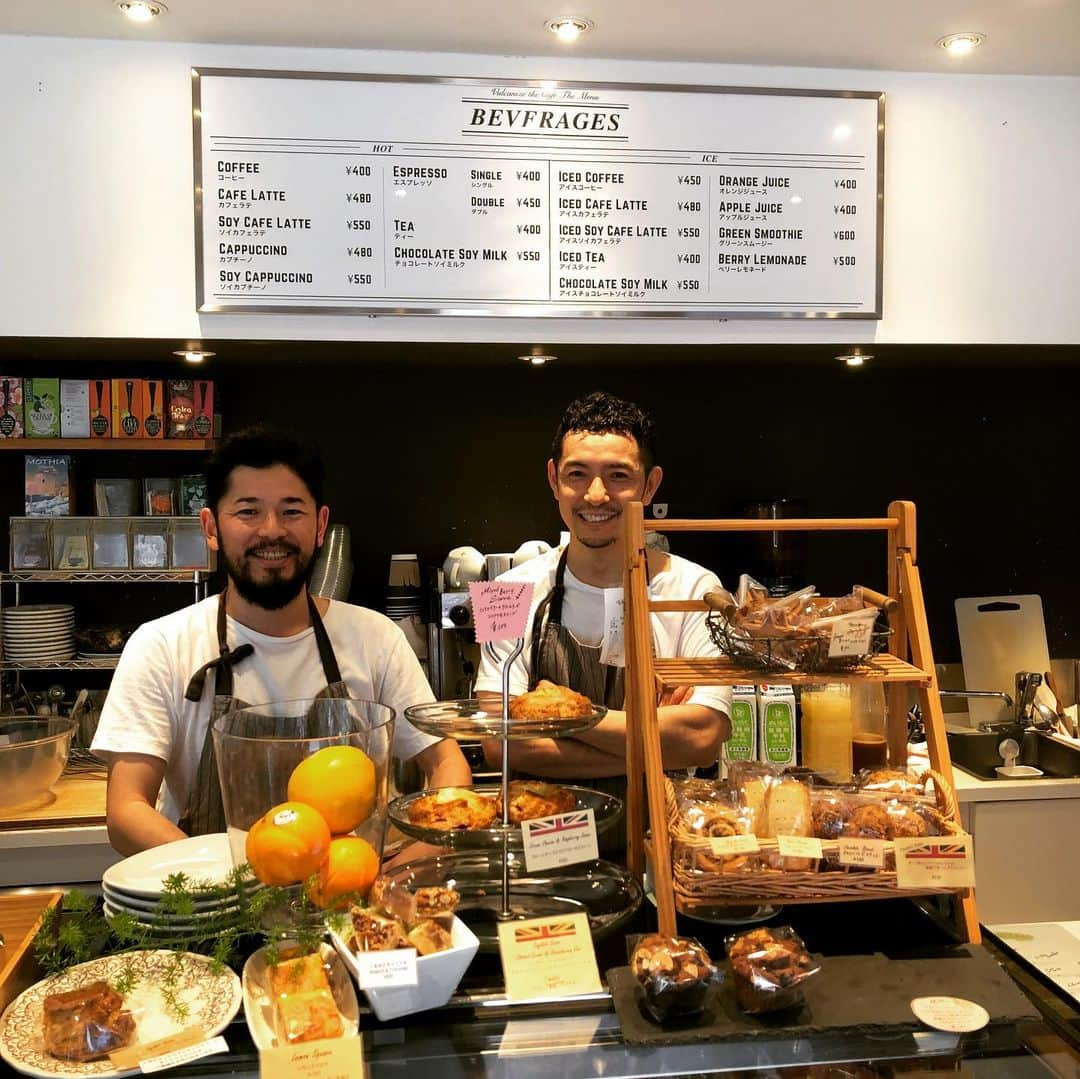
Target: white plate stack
<point>39,633</point>
<point>135,885</point>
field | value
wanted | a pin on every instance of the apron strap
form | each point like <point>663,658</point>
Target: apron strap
<point>223,678</point>
<point>322,642</point>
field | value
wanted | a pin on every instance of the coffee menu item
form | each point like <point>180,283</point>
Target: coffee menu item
<point>153,407</point>
<point>100,408</point>
<point>127,413</point>
<point>474,196</point>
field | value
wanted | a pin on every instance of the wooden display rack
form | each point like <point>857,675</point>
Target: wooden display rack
<point>645,675</point>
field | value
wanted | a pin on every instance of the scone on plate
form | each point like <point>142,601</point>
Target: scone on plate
<point>549,701</point>
<point>532,798</point>
<point>451,809</point>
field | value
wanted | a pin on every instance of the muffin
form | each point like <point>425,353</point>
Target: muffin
<point>674,973</point>
<point>532,798</point>
<point>768,967</point>
<point>549,701</point>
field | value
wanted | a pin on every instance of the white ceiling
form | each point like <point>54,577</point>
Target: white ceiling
<point>1023,36</point>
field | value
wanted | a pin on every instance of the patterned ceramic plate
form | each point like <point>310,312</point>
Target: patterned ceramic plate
<point>212,1001</point>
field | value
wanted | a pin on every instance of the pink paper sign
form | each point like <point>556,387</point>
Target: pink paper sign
<point>500,609</point>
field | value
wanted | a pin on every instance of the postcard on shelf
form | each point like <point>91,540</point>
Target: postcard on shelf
<point>153,407</point>
<point>42,407</point>
<point>159,497</point>
<point>127,408</point>
<point>117,497</point>
<point>48,485</point>
<point>11,408</point>
<point>192,495</point>
<point>74,408</point>
<point>100,409</point>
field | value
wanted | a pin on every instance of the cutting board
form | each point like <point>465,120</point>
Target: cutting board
<point>999,635</point>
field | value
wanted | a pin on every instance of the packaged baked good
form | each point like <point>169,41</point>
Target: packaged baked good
<point>888,780</point>
<point>304,1007</point>
<point>374,932</point>
<point>86,1024</point>
<point>453,809</point>
<point>788,812</point>
<point>768,967</point>
<point>532,798</point>
<point>429,936</point>
<point>705,812</point>
<point>675,973</point>
<point>549,701</point>
<point>830,808</point>
<point>436,900</point>
<point>393,899</point>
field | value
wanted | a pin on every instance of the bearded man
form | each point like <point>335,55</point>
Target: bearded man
<point>264,638</point>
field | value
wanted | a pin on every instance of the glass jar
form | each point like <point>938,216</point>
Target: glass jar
<point>827,730</point>
<point>869,732</point>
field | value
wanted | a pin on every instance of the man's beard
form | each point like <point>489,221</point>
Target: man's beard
<point>597,545</point>
<point>277,591</point>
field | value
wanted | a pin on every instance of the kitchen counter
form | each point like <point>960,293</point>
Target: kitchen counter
<point>59,839</point>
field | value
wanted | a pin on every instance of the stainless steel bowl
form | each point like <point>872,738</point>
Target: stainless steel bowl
<point>33,753</point>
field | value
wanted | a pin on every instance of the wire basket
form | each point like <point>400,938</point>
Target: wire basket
<point>787,654</point>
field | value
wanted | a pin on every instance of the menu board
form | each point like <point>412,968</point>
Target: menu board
<point>334,193</point>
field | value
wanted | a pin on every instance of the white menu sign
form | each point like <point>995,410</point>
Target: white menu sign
<point>394,194</point>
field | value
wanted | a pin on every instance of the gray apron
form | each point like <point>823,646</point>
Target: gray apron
<point>555,654</point>
<point>205,812</point>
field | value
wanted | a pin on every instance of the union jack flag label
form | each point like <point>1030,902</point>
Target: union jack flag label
<point>545,958</point>
<point>561,840</point>
<point>940,863</point>
<point>543,931</point>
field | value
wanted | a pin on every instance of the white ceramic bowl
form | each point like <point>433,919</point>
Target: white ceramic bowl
<point>437,975</point>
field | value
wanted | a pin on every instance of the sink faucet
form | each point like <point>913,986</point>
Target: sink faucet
<point>1001,728</point>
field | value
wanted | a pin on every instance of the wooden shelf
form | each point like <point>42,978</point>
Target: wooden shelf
<point>170,445</point>
<point>724,672</point>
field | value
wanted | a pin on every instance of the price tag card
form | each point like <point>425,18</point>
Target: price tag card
<point>500,609</point>
<point>131,1056</point>
<point>613,648</point>
<point>941,862</point>
<point>564,839</point>
<point>868,853</point>
<point>726,845</point>
<point>210,1047</point>
<point>384,970</point>
<point>548,957</point>
<point>851,633</point>
<point>799,846</point>
<point>952,1014</point>
<point>329,1058</point>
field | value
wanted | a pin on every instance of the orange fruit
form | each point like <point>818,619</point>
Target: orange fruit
<point>288,844</point>
<point>349,871</point>
<point>338,781</point>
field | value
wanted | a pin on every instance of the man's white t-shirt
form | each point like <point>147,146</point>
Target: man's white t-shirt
<point>675,633</point>
<point>146,711</point>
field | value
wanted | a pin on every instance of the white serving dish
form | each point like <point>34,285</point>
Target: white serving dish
<point>205,859</point>
<point>437,975</point>
<point>259,1006</point>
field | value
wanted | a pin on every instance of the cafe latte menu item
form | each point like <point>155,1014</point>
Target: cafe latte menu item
<point>517,197</point>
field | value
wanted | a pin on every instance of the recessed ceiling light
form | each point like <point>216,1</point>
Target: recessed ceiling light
<point>193,355</point>
<point>961,44</point>
<point>569,28</point>
<point>537,359</point>
<point>855,358</point>
<point>141,10</point>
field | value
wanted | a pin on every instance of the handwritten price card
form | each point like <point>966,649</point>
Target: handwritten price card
<point>500,609</point>
<point>940,862</point>
<point>330,1058</point>
<point>565,839</point>
<point>865,853</point>
<point>548,957</point>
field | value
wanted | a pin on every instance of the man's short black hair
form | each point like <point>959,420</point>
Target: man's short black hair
<point>602,413</point>
<point>259,447</point>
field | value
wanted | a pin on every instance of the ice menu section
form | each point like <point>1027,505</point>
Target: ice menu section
<point>468,196</point>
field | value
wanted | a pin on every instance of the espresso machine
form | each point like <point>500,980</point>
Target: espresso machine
<point>453,654</point>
